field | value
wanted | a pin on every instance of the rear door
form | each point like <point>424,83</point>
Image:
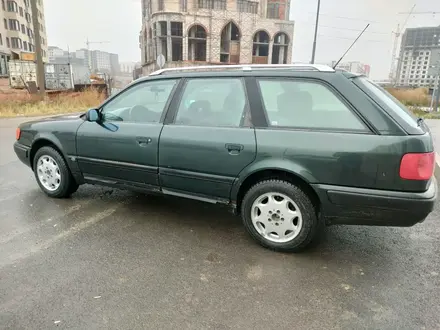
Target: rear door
<point>208,139</point>
<point>310,126</point>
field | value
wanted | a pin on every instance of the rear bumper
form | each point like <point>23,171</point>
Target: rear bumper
<point>357,206</point>
<point>23,153</point>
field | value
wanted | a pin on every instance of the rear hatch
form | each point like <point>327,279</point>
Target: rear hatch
<point>414,156</point>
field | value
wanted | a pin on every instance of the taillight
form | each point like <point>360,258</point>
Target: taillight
<point>17,133</point>
<point>417,166</point>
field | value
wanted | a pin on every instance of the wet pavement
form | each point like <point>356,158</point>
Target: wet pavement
<point>110,259</point>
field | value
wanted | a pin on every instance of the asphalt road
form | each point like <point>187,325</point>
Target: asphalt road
<point>109,259</point>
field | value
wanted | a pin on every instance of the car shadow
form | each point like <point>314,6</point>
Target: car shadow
<point>217,226</point>
<point>330,240</point>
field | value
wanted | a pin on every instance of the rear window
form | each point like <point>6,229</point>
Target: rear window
<point>391,103</point>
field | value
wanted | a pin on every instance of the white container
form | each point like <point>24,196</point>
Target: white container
<point>58,76</point>
<point>81,74</point>
<point>20,71</point>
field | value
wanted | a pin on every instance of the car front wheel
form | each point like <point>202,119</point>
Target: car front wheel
<point>52,174</point>
<point>279,215</point>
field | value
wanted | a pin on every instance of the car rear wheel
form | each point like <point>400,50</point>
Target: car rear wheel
<point>279,215</point>
<point>52,174</point>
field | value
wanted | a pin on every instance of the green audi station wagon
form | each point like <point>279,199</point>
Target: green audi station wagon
<point>289,148</point>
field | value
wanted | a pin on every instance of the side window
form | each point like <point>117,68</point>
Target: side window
<point>212,102</point>
<point>304,104</point>
<point>143,103</point>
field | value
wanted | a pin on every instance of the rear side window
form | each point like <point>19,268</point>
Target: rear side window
<point>212,102</point>
<point>306,104</point>
<point>390,101</point>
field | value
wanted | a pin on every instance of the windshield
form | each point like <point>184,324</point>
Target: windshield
<point>388,100</point>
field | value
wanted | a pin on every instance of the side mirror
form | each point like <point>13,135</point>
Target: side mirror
<point>92,115</point>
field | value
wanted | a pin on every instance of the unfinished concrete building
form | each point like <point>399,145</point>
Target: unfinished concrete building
<point>200,32</point>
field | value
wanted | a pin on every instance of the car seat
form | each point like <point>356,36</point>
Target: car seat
<point>295,108</point>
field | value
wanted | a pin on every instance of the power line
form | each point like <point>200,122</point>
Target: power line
<point>350,18</point>
<point>369,40</point>
<point>342,28</point>
<point>420,13</point>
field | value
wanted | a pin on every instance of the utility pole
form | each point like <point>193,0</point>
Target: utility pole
<point>437,99</point>
<point>68,54</point>
<point>38,49</point>
<point>316,33</point>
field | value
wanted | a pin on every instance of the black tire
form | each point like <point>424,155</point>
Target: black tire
<point>309,214</point>
<point>67,185</point>
<point>73,187</point>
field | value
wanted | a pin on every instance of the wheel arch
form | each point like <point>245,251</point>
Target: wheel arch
<point>293,173</point>
<point>45,141</point>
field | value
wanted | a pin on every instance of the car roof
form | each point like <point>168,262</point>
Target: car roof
<point>237,70</point>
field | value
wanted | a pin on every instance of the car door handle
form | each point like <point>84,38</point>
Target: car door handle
<point>234,149</point>
<point>143,141</point>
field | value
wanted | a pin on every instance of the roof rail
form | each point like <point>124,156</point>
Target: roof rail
<point>248,67</point>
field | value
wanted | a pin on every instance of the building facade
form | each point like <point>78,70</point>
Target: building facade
<point>419,58</point>
<point>17,31</point>
<point>197,32</point>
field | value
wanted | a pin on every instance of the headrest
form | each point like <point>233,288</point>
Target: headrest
<point>302,97</point>
<point>200,106</point>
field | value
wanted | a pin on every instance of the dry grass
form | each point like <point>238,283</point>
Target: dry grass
<point>412,97</point>
<point>26,105</point>
<point>22,104</point>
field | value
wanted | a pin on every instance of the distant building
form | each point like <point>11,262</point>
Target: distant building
<point>114,63</point>
<point>53,52</point>
<point>129,67</point>
<point>17,32</point>
<point>355,67</point>
<point>419,58</point>
<point>384,83</point>
<point>57,55</point>
<point>197,32</point>
<point>99,61</point>
<point>83,54</point>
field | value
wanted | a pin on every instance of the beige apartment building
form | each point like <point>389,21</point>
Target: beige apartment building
<point>200,32</point>
<point>17,32</point>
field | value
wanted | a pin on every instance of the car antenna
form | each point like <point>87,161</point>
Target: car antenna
<point>337,63</point>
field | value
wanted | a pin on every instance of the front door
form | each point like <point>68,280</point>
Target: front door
<point>209,141</point>
<point>122,148</point>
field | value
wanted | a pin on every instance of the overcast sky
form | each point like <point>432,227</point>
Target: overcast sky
<point>70,23</point>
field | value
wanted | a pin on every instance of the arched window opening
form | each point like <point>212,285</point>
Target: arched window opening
<point>230,44</point>
<point>280,48</point>
<point>260,48</point>
<point>197,43</point>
